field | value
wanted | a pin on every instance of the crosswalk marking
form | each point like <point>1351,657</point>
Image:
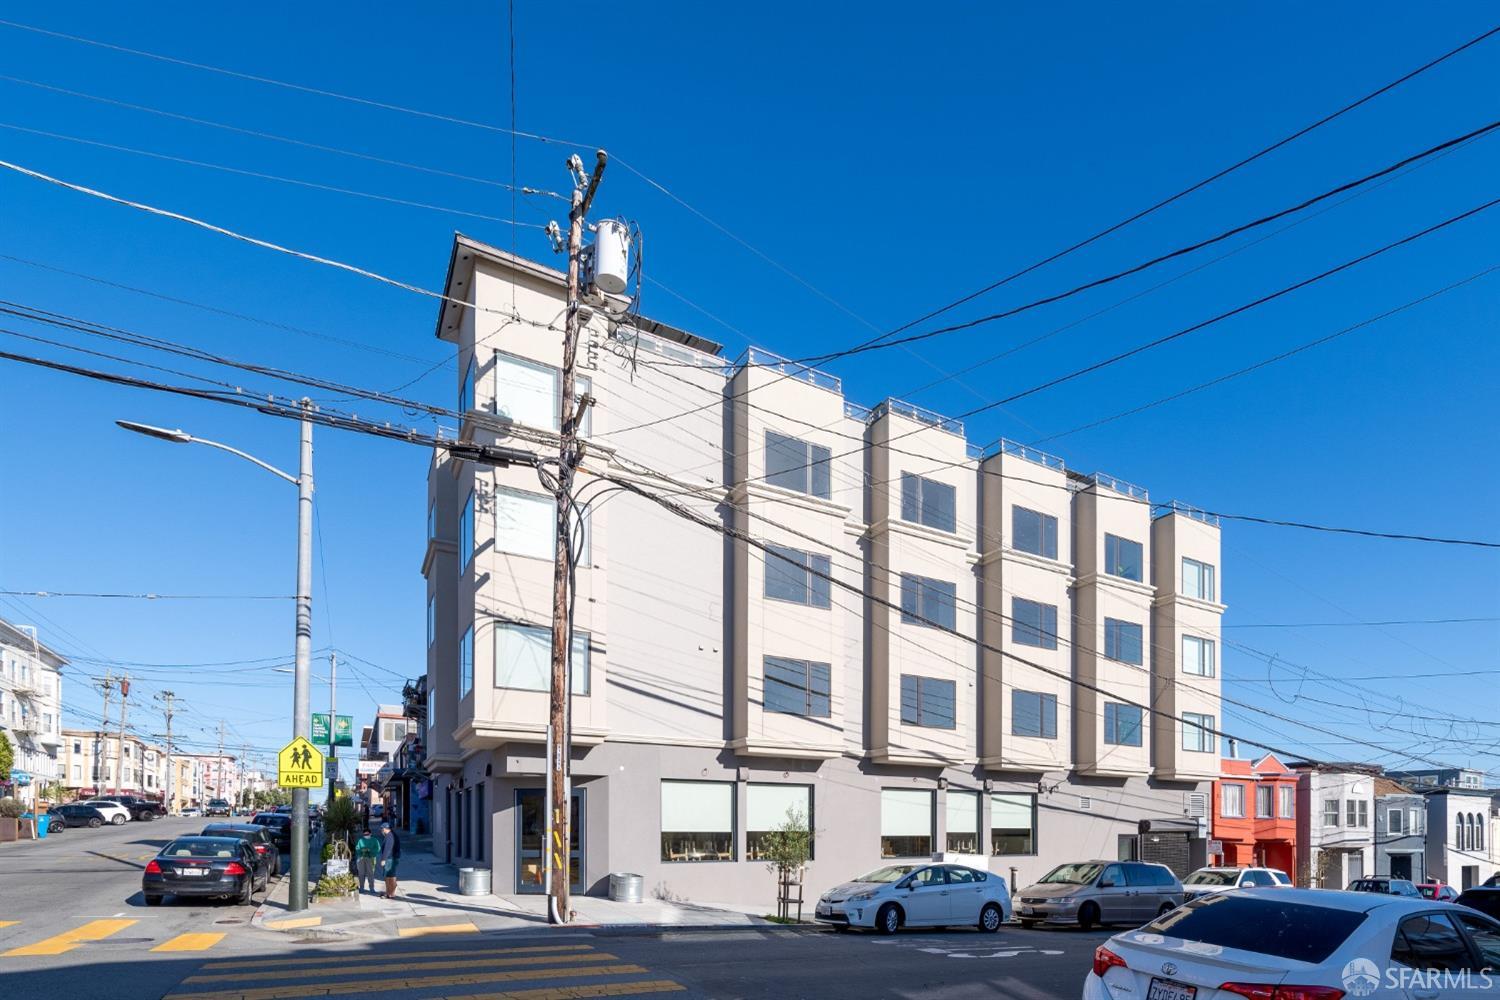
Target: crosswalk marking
<point>580,992</point>
<point>94,930</point>
<point>293,923</point>
<point>467,927</point>
<point>536,949</point>
<point>190,942</point>
<point>344,968</point>
<point>362,986</point>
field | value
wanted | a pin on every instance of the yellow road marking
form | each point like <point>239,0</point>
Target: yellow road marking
<point>293,923</point>
<point>467,927</point>
<point>9,923</point>
<point>361,986</point>
<point>94,930</point>
<point>190,942</point>
<point>346,969</point>
<point>580,992</point>
<point>465,952</point>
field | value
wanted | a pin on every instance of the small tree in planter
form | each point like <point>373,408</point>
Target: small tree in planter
<point>340,819</point>
<point>11,811</point>
<point>786,850</point>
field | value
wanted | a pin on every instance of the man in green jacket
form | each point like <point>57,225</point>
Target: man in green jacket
<point>366,850</point>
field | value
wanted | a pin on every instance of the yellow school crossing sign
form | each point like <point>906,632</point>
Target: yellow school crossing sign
<point>299,765</point>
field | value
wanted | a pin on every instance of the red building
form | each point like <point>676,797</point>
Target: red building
<point>1255,814</point>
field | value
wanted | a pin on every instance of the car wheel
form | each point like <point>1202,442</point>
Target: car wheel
<point>247,892</point>
<point>95,822</point>
<point>990,918</point>
<point>118,821</point>
<point>1165,909</point>
<point>152,900</point>
<point>146,817</point>
<point>888,920</point>
<point>1088,916</point>
<point>275,866</point>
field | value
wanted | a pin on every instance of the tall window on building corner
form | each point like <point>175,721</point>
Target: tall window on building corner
<point>927,602</point>
<point>1034,532</point>
<point>431,620</point>
<point>1197,656</point>
<point>927,501</point>
<point>466,389</point>
<point>1123,557</point>
<point>466,535</point>
<point>1196,732</point>
<point>795,464</point>
<point>466,663</point>
<point>1197,579</point>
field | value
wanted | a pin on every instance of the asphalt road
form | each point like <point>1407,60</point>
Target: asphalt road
<point>73,924</point>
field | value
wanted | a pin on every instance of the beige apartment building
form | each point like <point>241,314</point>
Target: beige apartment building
<point>92,765</point>
<point>718,683</point>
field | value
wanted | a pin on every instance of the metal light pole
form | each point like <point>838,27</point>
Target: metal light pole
<point>297,897</point>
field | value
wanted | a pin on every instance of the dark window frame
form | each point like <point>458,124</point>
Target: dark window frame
<point>1041,634</point>
<point>921,503</point>
<point>1122,638</point>
<point>1044,527</point>
<point>929,602</point>
<point>917,690</point>
<point>785,563</point>
<point>1045,713</point>
<point>1116,548</point>
<point>810,695</point>
<point>808,472</point>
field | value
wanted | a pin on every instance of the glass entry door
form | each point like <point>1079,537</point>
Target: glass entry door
<point>531,831</point>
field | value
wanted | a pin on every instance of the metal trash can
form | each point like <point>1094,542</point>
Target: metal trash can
<point>625,887</point>
<point>474,881</point>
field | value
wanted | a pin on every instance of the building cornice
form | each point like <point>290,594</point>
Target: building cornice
<point>1108,582</point>
<point>895,526</point>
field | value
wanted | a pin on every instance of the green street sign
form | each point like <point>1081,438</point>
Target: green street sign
<point>320,728</point>
<point>343,731</point>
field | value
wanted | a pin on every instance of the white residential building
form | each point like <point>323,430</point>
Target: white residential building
<point>92,765</point>
<point>1335,823</point>
<point>31,708</point>
<point>716,684</point>
<point>1459,848</point>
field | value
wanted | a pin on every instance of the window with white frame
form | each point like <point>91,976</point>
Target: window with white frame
<point>1123,641</point>
<point>1232,800</point>
<point>771,808</point>
<point>1286,807</point>
<point>466,535</point>
<point>1264,801</point>
<point>906,823</point>
<point>798,465</point>
<point>798,577</point>
<point>1197,579</point>
<point>1197,734</point>
<point>1012,823</point>
<point>1330,812</point>
<point>928,602</point>
<point>1033,623</point>
<point>1395,820</point>
<point>1197,656</point>
<point>466,663</point>
<point>927,501</point>
<point>523,658</point>
<point>962,809</point>
<point>1034,532</point>
<point>697,820</point>
<point>1123,558</point>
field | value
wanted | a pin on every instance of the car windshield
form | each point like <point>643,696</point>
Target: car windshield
<point>1281,877</point>
<point>889,873</point>
<point>1079,874</point>
<point>1262,925</point>
<point>198,847</point>
<point>1369,885</point>
<point>1212,878</point>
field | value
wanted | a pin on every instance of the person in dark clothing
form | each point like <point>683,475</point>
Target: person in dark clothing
<point>390,855</point>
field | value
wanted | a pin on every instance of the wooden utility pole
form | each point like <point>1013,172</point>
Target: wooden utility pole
<point>120,761</point>
<point>219,777</point>
<point>559,735</point>
<point>169,699</point>
<point>333,723</point>
<point>101,745</point>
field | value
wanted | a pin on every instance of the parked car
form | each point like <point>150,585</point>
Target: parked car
<point>218,807</point>
<point>1305,943</point>
<point>278,825</point>
<point>1389,886</point>
<point>917,895</point>
<point>1207,880</point>
<point>283,809</point>
<point>1484,898</point>
<point>190,811</point>
<point>114,813</point>
<point>267,858</point>
<point>1089,893</point>
<point>74,814</point>
<point>140,809</point>
<point>1437,890</point>
<point>203,866</point>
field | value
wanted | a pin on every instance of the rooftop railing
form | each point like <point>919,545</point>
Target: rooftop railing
<point>1119,486</point>
<point>920,414</point>
<point>1007,447</point>
<point>1187,510</point>
<point>765,359</point>
<point>856,412</point>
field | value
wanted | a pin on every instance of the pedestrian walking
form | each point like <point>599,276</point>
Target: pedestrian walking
<point>366,857</point>
<point>390,855</point>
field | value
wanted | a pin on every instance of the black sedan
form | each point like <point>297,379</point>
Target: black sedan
<point>279,825</point>
<point>267,858</point>
<point>74,814</point>
<point>203,866</point>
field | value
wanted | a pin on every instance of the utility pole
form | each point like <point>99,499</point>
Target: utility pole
<point>244,789</point>
<point>301,681</point>
<point>219,767</point>
<point>333,722</point>
<point>120,761</point>
<point>101,745</point>
<point>559,735</point>
<point>169,699</point>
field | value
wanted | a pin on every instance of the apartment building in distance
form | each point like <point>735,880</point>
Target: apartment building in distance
<point>93,765</point>
<point>1459,851</point>
<point>810,648</point>
<point>1255,814</point>
<point>1335,838</point>
<point>30,708</point>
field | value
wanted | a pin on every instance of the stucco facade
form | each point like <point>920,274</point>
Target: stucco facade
<point>1458,829</point>
<point>718,682</point>
<point>1335,836</point>
<point>31,678</point>
<point>1400,832</point>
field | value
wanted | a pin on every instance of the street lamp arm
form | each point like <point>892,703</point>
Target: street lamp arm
<point>247,457</point>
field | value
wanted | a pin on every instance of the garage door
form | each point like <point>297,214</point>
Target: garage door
<point>1167,848</point>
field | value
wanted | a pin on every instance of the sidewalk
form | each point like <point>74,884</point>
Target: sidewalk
<point>428,902</point>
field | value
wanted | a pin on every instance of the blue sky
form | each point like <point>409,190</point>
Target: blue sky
<point>893,163</point>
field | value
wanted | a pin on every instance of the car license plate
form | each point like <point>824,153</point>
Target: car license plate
<point>1027,911</point>
<point>1165,989</point>
<point>192,872</point>
<point>825,910</point>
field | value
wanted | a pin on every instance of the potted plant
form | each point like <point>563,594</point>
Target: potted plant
<point>11,811</point>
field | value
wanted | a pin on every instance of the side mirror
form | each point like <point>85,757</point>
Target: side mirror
<point>1247,884</point>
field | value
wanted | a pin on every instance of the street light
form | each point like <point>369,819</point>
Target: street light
<point>297,897</point>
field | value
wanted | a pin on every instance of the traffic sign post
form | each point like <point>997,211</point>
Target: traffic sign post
<point>299,765</point>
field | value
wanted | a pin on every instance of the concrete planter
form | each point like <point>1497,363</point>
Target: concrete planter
<point>10,829</point>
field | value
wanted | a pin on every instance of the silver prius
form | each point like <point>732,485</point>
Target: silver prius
<point>916,895</point>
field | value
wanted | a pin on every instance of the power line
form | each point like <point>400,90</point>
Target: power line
<point>151,597</point>
<point>1405,621</point>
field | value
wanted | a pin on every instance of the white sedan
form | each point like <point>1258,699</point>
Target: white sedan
<point>114,813</point>
<point>917,895</point>
<point>1307,944</point>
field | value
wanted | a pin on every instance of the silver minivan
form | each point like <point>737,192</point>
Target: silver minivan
<point>1090,893</point>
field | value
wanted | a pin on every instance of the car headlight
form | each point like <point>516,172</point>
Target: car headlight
<point>1063,900</point>
<point>860,897</point>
